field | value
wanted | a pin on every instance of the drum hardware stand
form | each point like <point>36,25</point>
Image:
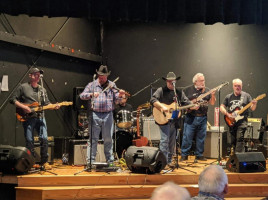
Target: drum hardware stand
<point>88,167</point>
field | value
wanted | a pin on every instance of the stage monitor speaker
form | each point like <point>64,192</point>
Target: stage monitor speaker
<point>15,160</point>
<point>145,159</point>
<point>150,129</point>
<point>79,104</point>
<point>254,128</point>
<point>246,162</point>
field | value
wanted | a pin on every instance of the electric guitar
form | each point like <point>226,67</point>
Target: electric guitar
<point>237,113</point>
<point>163,117</point>
<point>35,107</point>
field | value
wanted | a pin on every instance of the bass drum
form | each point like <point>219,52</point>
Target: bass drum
<point>124,119</point>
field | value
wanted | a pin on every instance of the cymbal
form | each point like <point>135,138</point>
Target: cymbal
<point>145,105</point>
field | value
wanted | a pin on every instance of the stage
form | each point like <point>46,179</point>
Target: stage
<point>124,184</point>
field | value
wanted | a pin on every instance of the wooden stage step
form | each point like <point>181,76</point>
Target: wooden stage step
<point>124,191</point>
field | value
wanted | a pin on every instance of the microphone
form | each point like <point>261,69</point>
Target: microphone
<point>94,77</point>
<point>41,75</point>
<point>174,83</point>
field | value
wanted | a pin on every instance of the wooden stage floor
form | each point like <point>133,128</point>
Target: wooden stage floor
<point>124,184</point>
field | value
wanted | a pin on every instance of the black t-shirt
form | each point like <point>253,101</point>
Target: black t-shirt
<point>233,102</point>
<point>192,93</point>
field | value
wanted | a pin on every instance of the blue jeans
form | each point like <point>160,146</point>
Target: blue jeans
<point>104,123</point>
<point>168,140</point>
<point>194,126</point>
<point>40,126</point>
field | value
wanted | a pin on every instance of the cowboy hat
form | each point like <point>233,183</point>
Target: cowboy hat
<point>103,71</point>
<point>171,76</point>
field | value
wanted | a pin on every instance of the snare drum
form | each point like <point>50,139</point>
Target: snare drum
<point>123,119</point>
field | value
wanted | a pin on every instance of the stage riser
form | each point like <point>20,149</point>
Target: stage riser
<point>82,179</point>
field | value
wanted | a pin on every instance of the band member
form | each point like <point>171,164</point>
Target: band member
<point>102,104</point>
<point>24,95</point>
<point>124,136</point>
<point>237,100</point>
<point>195,124</point>
<point>165,95</point>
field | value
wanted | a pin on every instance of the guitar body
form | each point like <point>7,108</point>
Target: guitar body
<point>162,118</point>
<point>35,107</point>
<point>232,121</point>
<point>22,116</point>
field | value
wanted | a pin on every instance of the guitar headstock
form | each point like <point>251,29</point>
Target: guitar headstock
<point>66,103</point>
<point>261,96</point>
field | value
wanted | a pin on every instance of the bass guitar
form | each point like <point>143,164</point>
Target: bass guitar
<point>163,117</point>
<point>35,107</point>
<point>237,113</point>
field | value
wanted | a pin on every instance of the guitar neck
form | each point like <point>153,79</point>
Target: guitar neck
<point>41,108</point>
<point>210,91</point>
<point>186,107</point>
<point>245,108</point>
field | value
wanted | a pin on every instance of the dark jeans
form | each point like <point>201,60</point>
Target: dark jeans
<point>236,137</point>
<point>194,126</point>
<point>40,126</point>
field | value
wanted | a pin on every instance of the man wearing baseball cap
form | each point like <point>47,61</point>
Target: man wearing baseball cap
<point>25,95</point>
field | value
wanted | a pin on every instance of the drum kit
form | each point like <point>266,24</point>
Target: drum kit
<point>127,128</point>
<point>127,121</point>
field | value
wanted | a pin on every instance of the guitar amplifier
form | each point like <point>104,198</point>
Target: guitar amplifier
<point>254,128</point>
<point>150,129</point>
<point>78,152</point>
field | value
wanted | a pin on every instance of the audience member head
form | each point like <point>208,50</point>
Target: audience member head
<point>170,191</point>
<point>213,180</point>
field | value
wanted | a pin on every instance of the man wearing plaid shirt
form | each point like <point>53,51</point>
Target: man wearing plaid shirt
<point>102,104</point>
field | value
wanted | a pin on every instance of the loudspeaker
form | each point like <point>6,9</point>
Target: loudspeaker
<point>15,160</point>
<point>254,128</point>
<point>246,162</point>
<point>79,104</point>
<point>150,129</point>
<point>211,149</point>
<point>145,159</point>
<point>78,152</point>
<point>265,138</point>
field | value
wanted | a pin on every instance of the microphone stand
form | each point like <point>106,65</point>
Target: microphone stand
<point>41,118</point>
<point>174,117</point>
<point>88,168</point>
<point>150,84</point>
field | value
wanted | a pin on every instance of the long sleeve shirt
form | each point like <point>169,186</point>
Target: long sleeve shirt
<point>106,101</point>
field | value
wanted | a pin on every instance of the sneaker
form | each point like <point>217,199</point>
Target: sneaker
<point>46,166</point>
<point>183,158</point>
<point>200,158</point>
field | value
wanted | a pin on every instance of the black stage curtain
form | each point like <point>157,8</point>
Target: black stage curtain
<point>164,11</point>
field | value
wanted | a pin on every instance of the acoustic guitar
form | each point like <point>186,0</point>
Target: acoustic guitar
<point>163,117</point>
<point>35,107</point>
<point>140,140</point>
<point>237,113</point>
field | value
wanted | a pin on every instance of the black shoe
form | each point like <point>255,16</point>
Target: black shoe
<point>202,158</point>
<point>183,158</point>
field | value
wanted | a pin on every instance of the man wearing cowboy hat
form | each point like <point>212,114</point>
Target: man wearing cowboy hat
<point>195,123</point>
<point>165,95</point>
<point>102,104</point>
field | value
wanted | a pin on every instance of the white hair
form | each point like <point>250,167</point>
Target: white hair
<point>213,179</point>
<point>237,80</point>
<point>170,191</point>
<point>197,76</point>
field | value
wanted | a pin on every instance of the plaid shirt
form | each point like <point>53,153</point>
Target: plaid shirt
<point>106,101</point>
